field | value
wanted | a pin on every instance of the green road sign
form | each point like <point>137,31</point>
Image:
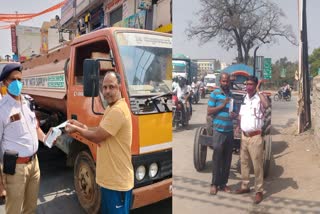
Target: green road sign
<point>267,68</point>
<point>283,73</point>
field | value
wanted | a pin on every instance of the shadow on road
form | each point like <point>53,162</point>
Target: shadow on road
<point>291,205</point>
<point>289,123</point>
<point>164,206</point>
<point>278,147</point>
<point>57,192</point>
<point>61,204</point>
<point>191,126</point>
<point>274,183</point>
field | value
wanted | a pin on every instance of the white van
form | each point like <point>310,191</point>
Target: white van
<point>210,82</point>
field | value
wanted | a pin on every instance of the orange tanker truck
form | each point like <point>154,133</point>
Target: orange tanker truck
<point>66,84</point>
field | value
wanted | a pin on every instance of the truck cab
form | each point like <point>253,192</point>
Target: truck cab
<point>69,86</point>
<point>210,82</point>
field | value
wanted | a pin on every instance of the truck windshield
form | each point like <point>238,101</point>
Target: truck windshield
<point>147,62</point>
<point>179,66</point>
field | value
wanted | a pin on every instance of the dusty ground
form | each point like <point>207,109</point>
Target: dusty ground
<point>293,184</point>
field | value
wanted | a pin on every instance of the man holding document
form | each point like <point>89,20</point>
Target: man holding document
<point>114,170</point>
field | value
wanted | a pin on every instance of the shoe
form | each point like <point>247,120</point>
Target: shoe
<point>2,200</point>
<point>258,198</point>
<point>242,191</point>
<point>225,189</point>
<point>213,190</point>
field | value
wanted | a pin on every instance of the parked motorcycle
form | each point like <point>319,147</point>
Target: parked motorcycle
<point>280,96</point>
<point>180,115</point>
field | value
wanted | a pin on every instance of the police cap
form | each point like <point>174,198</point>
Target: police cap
<point>6,71</point>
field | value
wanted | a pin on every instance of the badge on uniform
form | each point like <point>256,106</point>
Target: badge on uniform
<point>15,117</point>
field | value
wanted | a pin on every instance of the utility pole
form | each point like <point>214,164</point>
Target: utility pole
<point>254,60</point>
<point>304,110</point>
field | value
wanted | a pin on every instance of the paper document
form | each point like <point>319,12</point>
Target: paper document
<point>53,134</point>
<point>231,105</point>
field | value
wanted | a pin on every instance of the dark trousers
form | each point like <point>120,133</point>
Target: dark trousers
<point>221,158</point>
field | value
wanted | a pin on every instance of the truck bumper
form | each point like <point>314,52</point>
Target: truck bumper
<point>152,193</point>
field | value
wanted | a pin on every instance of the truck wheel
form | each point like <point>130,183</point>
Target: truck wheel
<point>87,190</point>
<point>267,154</point>
<point>199,151</point>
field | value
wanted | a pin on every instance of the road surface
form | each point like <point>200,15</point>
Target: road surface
<point>293,185</point>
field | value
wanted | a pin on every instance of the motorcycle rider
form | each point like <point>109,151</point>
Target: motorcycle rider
<point>183,92</point>
<point>195,86</point>
<point>285,89</point>
<point>174,82</point>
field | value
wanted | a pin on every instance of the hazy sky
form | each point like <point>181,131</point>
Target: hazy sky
<point>185,12</point>
<point>24,6</point>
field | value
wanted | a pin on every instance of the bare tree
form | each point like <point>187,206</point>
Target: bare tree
<point>240,24</point>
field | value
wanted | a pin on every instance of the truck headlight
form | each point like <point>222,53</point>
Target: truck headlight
<point>153,170</point>
<point>140,172</point>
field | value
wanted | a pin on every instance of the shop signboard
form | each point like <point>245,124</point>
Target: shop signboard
<point>81,5</point>
<point>67,11</point>
<point>137,20</point>
<point>113,4</point>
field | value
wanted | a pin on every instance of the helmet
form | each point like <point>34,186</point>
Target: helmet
<point>182,81</point>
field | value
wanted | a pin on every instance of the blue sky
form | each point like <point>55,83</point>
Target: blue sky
<point>23,6</point>
<point>183,13</point>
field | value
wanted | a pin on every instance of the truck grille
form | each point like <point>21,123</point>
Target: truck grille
<point>164,161</point>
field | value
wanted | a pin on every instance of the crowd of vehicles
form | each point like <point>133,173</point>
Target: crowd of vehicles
<point>183,66</point>
<point>66,84</point>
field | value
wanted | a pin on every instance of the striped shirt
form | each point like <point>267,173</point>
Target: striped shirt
<point>221,120</point>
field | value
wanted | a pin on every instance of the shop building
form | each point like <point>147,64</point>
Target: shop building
<point>83,16</point>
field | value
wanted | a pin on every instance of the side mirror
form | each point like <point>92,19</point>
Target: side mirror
<point>91,78</point>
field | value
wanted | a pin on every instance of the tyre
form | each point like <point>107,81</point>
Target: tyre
<point>276,97</point>
<point>267,154</point>
<point>88,192</point>
<point>199,151</point>
<point>288,98</point>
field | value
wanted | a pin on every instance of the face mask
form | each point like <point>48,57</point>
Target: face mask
<point>15,88</point>
<point>250,89</point>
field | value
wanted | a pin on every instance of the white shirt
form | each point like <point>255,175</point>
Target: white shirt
<point>182,92</point>
<point>174,84</point>
<point>19,135</point>
<point>251,114</point>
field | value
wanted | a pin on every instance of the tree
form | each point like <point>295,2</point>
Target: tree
<point>314,61</point>
<point>240,24</point>
<point>283,63</point>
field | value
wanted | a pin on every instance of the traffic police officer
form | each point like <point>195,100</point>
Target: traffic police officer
<point>19,134</point>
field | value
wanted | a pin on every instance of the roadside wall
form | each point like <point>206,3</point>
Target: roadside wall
<point>316,109</point>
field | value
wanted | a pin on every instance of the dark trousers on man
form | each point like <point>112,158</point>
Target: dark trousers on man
<point>221,158</point>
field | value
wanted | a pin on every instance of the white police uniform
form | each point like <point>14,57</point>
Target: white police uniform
<point>251,114</point>
<point>18,127</point>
